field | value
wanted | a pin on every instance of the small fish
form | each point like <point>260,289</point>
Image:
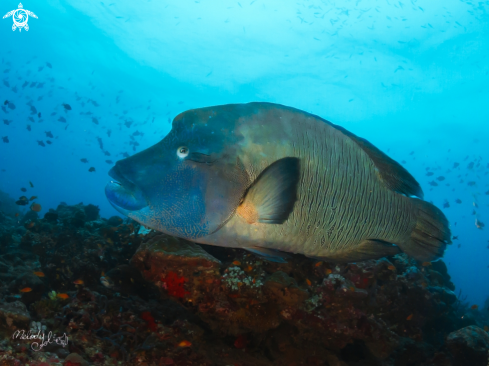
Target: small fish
<point>426,264</point>
<point>184,344</point>
<point>5,139</point>
<point>40,143</point>
<point>17,214</point>
<point>479,224</point>
<point>329,271</point>
<point>308,281</point>
<point>318,264</point>
<point>109,161</point>
<point>441,178</point>
<point>67,106</point>
<point>237,263</point>
<point>455,237</point>
<point>62,119</point>
<point>391,267</point>
<point>23,189</point>
<point>26,289</point>
<point>446,204</point>
<point>39,274</point>
<point>91,170</point>
<point>474,307</point>
<point>78,282</point>
<point>32,185</point>
<point>36,207</point>
<point>458,200</point>
<point>29,128</point>
<point>63,296</point>
<point>410,317</point>
<point>486,328</point>
<point>84,160</point>
<point>22,201</point>
<point>48,134</point>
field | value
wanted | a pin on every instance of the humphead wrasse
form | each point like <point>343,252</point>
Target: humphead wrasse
<point>274,179</point>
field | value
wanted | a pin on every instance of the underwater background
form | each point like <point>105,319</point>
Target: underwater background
<point>411,77</point>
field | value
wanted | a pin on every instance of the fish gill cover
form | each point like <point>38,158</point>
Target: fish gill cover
<point>88,84</point>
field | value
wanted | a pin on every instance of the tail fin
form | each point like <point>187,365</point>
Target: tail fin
<point>431,234</point>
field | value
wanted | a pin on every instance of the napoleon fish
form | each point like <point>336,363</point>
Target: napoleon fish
<point>272,179</point>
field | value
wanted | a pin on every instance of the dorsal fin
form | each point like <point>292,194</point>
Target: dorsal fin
<point>392,173</point>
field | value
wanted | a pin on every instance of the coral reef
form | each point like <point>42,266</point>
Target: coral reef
<point>121,297</point>
<point>469,346</point>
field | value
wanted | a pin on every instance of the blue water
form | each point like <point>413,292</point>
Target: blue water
<point>410,76</point>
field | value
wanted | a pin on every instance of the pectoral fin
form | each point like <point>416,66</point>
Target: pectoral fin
<point>271,198</point>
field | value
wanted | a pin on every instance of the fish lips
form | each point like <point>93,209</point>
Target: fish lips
<point>123,194</point>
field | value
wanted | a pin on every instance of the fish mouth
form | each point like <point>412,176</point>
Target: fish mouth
<point>124,194</point>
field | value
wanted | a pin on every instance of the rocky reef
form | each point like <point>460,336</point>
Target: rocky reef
<point>113,295</point>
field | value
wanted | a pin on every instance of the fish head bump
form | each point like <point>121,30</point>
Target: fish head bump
<point>190,183</point>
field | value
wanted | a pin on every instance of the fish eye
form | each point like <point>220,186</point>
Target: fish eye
<point>182,152</point>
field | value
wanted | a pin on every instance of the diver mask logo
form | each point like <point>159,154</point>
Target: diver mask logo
<point>20,17</point>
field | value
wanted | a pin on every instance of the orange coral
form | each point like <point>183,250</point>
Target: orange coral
<point>174,284</point>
